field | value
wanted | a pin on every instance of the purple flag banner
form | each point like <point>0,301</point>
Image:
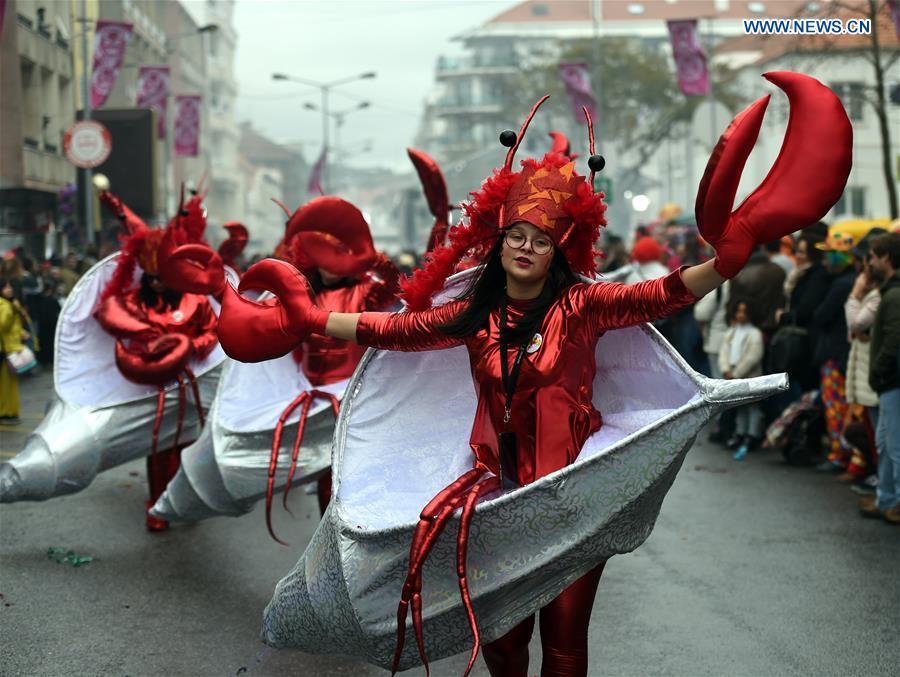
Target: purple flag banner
<point>153,86</point>
<point>314,185</point>
<point>2,13</point>
<point>187,125</point>
<point>578,87</point>
<point>690,59</point>
<point>110,43</point>
<point>895,15</point>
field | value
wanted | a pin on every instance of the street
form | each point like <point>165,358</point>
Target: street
<point>754,568</point>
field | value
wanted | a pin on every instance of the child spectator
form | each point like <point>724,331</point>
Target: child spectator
<point>741,356</point>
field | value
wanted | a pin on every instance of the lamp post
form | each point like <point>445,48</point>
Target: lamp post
<point>339,117</point>
<point>325,88</point>
<point>171,48</point>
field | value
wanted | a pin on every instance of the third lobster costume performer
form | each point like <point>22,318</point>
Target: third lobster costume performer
<point>530,327</point>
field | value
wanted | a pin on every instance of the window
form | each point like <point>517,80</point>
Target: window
<point>852,202</point>
<point>635,8</point>
<point>540,10</point>
<point>851,94</point>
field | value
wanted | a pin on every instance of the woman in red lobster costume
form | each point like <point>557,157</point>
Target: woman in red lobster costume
<point>163,319</point>
<point>530,326</point>
<point>329,239</point>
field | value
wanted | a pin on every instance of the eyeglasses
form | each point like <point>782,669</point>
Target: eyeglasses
<point>540,245</point>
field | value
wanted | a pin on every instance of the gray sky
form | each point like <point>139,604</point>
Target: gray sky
<point>329,40</point>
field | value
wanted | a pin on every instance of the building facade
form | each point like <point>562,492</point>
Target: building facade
<point>36,109</point>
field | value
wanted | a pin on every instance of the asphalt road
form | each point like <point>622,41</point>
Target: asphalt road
<point>754,568</point>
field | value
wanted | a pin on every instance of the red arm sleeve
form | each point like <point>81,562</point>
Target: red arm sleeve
<point>408,331</point>
<point>383,284</point>
<point>611,305</point>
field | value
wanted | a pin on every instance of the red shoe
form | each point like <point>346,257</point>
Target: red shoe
<point>154,523</point>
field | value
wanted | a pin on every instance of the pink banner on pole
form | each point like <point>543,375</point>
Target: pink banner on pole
<point>110,43</point>
<point>187,125</point>
<point>578,87</point>
<point>895,15</point>
<point>314,185</point>
<point>153,86</point>
<point>690,59</point>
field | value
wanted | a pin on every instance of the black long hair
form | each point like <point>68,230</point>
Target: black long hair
<point>487,290</point>
<point>318,284</point>
<point>169,298</point>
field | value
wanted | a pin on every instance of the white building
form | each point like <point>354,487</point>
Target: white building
<point>225,201</point>
<point>475,96</point>
<point>839,63</point>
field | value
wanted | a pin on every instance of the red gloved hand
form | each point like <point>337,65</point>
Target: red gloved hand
<point>155,363</point>
<point>256,332</point>
<point>806,180</point>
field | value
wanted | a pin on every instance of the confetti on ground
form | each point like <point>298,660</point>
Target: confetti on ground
<point>61,555</point>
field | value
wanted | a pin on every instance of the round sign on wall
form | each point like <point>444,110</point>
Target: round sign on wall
<point>87,144</point>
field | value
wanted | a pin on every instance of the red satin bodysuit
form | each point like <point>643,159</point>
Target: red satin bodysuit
<point>327,360</point>
<point>551,412</point>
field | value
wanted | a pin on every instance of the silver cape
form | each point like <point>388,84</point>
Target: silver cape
<point>96,419</point>
<point>402,435</point>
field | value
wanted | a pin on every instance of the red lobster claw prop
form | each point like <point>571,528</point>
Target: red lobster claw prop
<point>806,180</point>
<point>132,222</point>
<point>346,249</point>
<point>256,332</point>
<point>435,189</point>
<point>190,268</point>
<point>158,363</point>
<point>231,248</point>
<point>561,144</point>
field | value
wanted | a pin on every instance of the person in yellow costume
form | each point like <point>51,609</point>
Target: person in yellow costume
<point>13,319</point>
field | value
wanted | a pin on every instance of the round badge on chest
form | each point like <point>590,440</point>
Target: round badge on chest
<point>536,342</point>
<point>178,316</point>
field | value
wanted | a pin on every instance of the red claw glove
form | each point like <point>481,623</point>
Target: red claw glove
<point>192,269</point>
<point>256,332</point>
<point>806,180</point>
<point>155,363</point>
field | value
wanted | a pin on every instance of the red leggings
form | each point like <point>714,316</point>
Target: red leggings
<point>564,635</point>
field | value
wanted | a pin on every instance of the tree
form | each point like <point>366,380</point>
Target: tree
<point>875,49</point>
<point>639,102</point>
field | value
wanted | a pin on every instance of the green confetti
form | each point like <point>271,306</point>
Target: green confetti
<point>61,555</point>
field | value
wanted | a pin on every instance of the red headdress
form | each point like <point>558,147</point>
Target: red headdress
<point>547,193</point>
<point>178,254</point>
<point>329,233</point>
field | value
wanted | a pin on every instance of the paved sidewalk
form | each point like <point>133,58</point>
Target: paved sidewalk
<point>34,392</point>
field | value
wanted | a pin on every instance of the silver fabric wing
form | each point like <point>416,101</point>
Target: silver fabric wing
<point>225,471</point>
<point>403,435</point>
<point>96,419</point>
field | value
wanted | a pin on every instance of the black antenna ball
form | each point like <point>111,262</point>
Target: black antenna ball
<point>122,216</point>
<point>184,212</point>
<point>596,163</point>
<point>508,138</point>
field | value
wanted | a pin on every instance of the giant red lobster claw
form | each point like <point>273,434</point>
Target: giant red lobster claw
<point>157,362</point>
<point>256,332</point>
<point>192,268</point>
<point>435,188</point>
<point>346,249</point>
<point>232,247</point>
<point>806,180</point>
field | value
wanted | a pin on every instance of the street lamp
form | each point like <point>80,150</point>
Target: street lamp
<point>325,88</point>
<point>169,168</point>
<point>339,117</point>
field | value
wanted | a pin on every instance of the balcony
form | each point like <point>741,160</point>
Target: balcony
<point>46,171</point>
<point>468,105</point>
<point>476,65</point>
